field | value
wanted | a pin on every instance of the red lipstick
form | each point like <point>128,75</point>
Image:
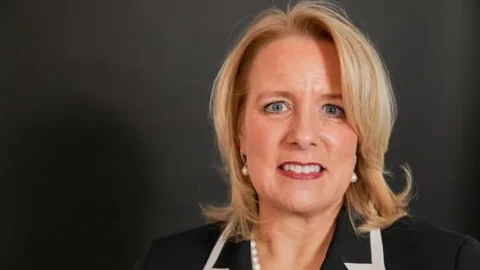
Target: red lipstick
<point>301,171</point>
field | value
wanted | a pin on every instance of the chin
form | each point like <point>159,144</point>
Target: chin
<point>305,205</point>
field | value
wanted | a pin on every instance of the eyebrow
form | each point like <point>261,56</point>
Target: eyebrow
<point>287,94</point>
<point>332,96</point>
<point>279,93</point>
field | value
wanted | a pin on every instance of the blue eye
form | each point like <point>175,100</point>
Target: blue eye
<point>333,110</point>
<point>276,107</point>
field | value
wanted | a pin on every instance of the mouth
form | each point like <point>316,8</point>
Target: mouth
<point>301,171</point>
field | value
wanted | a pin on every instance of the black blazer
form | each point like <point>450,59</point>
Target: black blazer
<point>409,244</point>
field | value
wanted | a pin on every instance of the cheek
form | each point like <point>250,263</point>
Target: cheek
<point>257,133</point>
<point>341,143</point>
<point>263,139</point>
<point>261,135</point>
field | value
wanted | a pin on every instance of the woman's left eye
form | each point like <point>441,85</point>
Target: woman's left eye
<point>333,110</point>
<point>276,107</point>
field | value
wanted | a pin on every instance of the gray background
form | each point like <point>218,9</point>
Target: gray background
<point>105,141</point>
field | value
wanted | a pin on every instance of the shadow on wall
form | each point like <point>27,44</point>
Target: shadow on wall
<point>76,189</point>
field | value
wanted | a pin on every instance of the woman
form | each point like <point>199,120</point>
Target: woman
<point>303,112</point>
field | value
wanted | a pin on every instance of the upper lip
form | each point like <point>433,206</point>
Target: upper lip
<point>302,163</point>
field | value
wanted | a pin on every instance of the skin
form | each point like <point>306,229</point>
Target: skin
<point>294,112</point>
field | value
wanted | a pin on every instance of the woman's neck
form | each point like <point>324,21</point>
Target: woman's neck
<point>294,241</point>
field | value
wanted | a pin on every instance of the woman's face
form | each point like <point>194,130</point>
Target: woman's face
<point>300,150</point>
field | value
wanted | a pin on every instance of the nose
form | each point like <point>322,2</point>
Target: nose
<point>303,129</point>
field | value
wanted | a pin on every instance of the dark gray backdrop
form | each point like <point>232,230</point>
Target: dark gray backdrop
<point>105,141</point>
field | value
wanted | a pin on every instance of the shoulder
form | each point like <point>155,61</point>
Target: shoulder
<point>417,243</point>
<point>185,250</point>
<point>468,256</point>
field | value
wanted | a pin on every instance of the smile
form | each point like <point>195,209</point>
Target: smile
<point>302,169</point>
<point>299,171</point>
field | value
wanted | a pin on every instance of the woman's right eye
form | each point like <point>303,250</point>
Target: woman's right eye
<point>276,107</point>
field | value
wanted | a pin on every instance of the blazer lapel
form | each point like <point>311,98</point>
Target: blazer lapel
<point>347,251</point>
<point>333,262</point>
<point>350,251</point>
<point>234,256</point>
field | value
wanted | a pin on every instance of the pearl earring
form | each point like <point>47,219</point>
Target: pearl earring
<point>354,177</point>
<point>244,168</point>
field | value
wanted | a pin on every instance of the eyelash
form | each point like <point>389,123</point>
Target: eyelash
<point>327,104</point>
<point>273,102</point>
<point>338,107</point>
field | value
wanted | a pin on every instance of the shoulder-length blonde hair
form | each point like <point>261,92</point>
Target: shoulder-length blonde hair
<point>369,105</point>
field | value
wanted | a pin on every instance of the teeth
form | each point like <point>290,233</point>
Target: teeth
<point>302,169</point>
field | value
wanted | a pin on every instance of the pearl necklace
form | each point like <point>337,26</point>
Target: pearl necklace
<point>254,253</point>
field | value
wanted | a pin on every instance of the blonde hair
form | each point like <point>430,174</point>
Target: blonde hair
<point>369,105</point>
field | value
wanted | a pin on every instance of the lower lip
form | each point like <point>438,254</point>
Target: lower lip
<point>301,176</point>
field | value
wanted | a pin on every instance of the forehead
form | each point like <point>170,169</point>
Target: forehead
<point>294,63</point>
